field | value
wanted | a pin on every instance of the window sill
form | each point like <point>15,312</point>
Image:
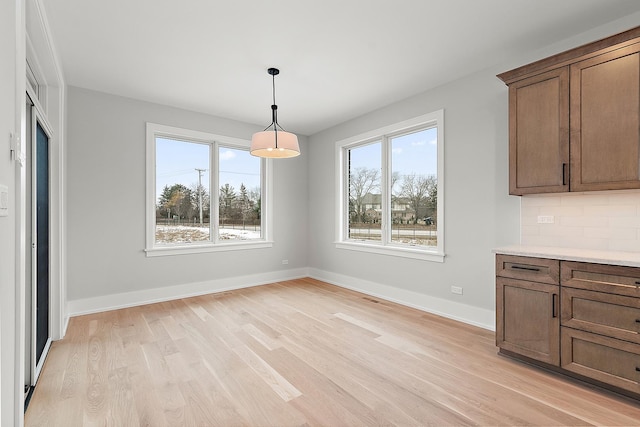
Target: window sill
<point>420,254</point>
<point>204,248</point>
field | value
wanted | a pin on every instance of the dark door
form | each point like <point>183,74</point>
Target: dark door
<point>41,222</point>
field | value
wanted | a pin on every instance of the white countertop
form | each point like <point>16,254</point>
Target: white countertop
<point>629,259</point>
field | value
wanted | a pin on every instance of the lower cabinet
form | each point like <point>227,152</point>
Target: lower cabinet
<point>527,317</point>
<point>588,324</point>
<point>529,324</point>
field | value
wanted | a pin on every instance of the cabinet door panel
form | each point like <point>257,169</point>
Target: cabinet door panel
<point>605,359</point>
<point>527,320</point>
<point>605,121</point>
<point>539,133</point>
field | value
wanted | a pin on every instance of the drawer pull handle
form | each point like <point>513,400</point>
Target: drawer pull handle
<point>637,282</point>
<point>637,320</point>
<point>520,267</point>
<point>637,369</point>
<point>554,305</point>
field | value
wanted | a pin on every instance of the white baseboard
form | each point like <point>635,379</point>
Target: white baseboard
<point>130,299</point>
<point>441,307</point>
<point>450,309</point>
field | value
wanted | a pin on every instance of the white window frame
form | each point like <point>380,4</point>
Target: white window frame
<point>385,246</point>
<point>152,249</point>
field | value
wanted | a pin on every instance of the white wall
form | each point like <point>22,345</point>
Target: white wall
<point>106,210</point>
<point>9,30</point>
<point>479,213</point>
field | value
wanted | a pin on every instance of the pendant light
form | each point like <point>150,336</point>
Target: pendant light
<point>274,141</point>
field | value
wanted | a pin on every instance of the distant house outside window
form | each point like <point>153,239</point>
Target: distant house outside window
<point>390,189</point>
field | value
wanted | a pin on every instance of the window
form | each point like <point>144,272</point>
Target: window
<point>205,193</point>
<point>390,189</point>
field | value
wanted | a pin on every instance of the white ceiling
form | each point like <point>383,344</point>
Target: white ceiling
<point>339,59</point>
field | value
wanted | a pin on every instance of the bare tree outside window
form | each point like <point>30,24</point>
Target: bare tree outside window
<point>390,189</point>
<point>414,188</point>
<point>365,204</point>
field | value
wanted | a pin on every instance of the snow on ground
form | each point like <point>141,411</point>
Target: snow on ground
<point>184,233</point>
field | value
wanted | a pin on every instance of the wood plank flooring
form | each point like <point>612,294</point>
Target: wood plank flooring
<point>299,353</point>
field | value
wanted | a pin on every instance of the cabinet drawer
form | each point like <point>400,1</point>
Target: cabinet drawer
<point>613,315</point>
<point>602,278</point>
<point>601,358</point>
<point>539,270</point>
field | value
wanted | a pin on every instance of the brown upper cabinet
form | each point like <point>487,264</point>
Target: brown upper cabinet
<point>574,119</point>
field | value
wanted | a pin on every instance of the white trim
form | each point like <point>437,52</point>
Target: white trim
<point>34,68</point>
<point>154,130</point>
<point>148,296</point>
<point>471,315</point>
<point>52,102</point>
<point>342,198</point>
<point>150,155</point>
<point>13,402</point>
<point>393,128</point>
<point>209,247</point>
<point>38,367</point>
<point>399,251</point>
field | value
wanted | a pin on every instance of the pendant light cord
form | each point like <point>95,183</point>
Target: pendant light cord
<point>274,107</point>
<point>274,112</point>
<point>273,79</point>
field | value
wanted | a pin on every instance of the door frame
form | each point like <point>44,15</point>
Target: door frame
<point>35,44</point>
<point>35,365</point>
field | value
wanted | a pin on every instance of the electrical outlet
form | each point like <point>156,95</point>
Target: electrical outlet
<point>456,290</point>
<point>545,219</point>
<point>285,261</point>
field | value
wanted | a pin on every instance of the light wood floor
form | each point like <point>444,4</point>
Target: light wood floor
<point>299,353</point>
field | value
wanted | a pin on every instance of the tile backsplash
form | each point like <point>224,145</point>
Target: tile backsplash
<point>607,220</point>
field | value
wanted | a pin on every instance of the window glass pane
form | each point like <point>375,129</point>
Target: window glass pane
<point>365,200</point>
<point>414,159</point>
<point>240,195</point>
<point>182,192</point>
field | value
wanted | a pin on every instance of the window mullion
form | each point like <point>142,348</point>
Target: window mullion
<point>265,198</point>
<point>214,193</point>
<point>385,191</point>
<point>346,196</point>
